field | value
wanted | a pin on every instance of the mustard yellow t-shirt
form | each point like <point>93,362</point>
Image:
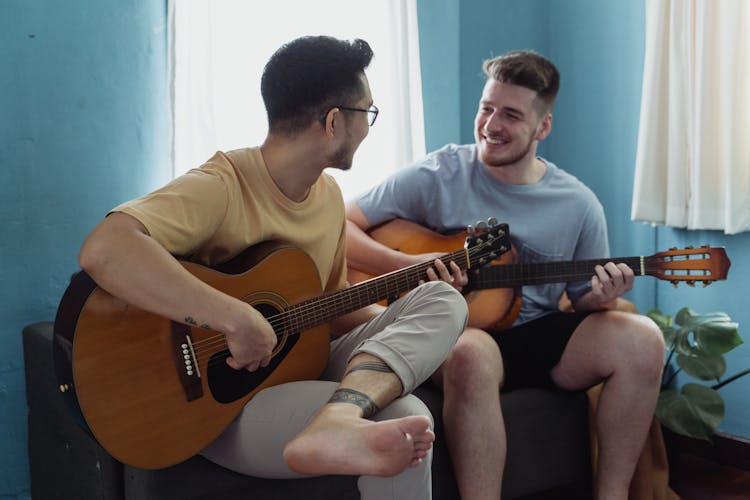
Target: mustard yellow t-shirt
<point>213,213</point>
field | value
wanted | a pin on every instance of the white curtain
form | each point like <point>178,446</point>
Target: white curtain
<point>693,159</point>
<point>219,49</point>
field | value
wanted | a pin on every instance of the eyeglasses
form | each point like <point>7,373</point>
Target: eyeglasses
<point>372,112</point>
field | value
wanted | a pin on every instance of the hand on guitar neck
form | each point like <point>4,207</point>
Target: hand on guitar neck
<point>495,298</point>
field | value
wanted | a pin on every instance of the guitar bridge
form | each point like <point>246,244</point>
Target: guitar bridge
<point>186,362</point>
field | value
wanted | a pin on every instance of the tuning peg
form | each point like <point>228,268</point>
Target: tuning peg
<point>706,283</point>
<point>481,224</point>
<point>470,229</point>
<point>705,246</point>
<point>492,221</point>
<point>690,283</point>
<point>689,247</point>
<point>675,283</point>
<point>672,248</point>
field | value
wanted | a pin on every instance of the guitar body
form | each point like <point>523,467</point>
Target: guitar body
<point>491,309</point>
<point>126,369</point>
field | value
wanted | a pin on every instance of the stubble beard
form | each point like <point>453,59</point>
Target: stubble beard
<point>504,162</point>
<point>341,159</point>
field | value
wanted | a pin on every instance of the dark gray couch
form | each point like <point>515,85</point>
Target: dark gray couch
<point>548,453</point>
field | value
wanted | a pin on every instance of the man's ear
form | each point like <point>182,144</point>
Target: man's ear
<point>545,127</point>
<point>330,120</point>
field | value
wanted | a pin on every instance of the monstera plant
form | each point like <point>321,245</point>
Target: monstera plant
<point>696,344</point>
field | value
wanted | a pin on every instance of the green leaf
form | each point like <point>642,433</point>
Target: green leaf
<point>707,403</point>
<point>661,320</point>
<point>716,338</point>
<point>695,412</point>
<point>670,336</point>
<point>665,325</point>
<point>704,367</point>
<point>709,334</point>
<point>683,315</point>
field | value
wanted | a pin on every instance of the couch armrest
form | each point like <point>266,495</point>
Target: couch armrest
<point>65,462</point>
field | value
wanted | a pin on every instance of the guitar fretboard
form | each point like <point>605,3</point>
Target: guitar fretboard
<point>539,273</point>
<point>313,312</point>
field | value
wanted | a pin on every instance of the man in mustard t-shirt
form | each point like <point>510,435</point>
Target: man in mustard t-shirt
<point>359,418</point>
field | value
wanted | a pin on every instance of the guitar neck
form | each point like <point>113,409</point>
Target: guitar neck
<point>540,273</point>
<point>313,312</point>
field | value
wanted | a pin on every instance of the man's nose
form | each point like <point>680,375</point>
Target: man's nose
<point>493,123</point>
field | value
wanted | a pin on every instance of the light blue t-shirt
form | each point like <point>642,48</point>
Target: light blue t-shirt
<point>555,219</point>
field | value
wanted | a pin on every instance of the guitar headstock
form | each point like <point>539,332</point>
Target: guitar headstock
<point>486,242</point>
<point>690,265</point>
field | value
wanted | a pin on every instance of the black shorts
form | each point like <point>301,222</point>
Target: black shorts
<point>532,349</point>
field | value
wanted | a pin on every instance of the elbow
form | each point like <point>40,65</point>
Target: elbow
<point>91,257</point>
<point>109,242</point>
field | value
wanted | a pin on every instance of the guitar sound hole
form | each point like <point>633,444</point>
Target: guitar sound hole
<point>227,384</point>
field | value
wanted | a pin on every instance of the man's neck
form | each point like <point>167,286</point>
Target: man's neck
<point>526,171</point>
<point>292,165</point>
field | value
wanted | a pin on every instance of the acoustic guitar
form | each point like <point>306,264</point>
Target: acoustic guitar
<point>154,392</point>
<point>495,297</point>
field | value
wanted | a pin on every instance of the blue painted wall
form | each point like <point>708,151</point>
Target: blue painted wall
<point>599,49</point>
<point>84,125</point>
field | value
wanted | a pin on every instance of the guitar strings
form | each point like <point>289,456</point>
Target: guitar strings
<point>651,264</point>
<point>302,314</point>
<point>212,342</point>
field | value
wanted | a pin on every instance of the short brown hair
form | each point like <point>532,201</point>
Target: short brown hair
<point>526,68</point>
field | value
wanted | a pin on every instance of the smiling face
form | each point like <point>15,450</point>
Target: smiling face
<point>509,124</point>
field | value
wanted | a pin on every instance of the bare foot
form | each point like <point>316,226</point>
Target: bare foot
<point>340,442</point>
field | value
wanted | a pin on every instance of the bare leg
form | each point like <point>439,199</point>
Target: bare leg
<point>626,351</point>
<point>340,439</point>
<point>474,427</point>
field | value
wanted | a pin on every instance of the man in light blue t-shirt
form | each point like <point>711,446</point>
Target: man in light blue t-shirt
<point>552,217</point>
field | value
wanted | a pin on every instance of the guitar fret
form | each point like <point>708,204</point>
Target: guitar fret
<point>536,273</point>
<point>307,314</point>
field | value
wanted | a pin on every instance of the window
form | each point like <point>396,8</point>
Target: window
<point>221,46</point>
<point>693,160</point>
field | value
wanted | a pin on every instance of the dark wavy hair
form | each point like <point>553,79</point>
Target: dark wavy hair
<point>526,68</point>
<point>310,74</point>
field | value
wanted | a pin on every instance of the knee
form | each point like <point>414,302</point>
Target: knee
<point>647,346</point>
<point>451,301</point>
<point>474,362</point>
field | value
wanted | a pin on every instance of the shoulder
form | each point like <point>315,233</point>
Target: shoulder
<point>237,170</point>
<point>222,168</point>
<point>450,157</point>
<point>442,165</point>
<point>328,187</point>
<point>245,162</point>
<point>560,179</point>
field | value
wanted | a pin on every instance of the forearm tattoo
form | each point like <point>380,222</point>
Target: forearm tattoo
<point>190,321</point>
<point>360,399</point>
